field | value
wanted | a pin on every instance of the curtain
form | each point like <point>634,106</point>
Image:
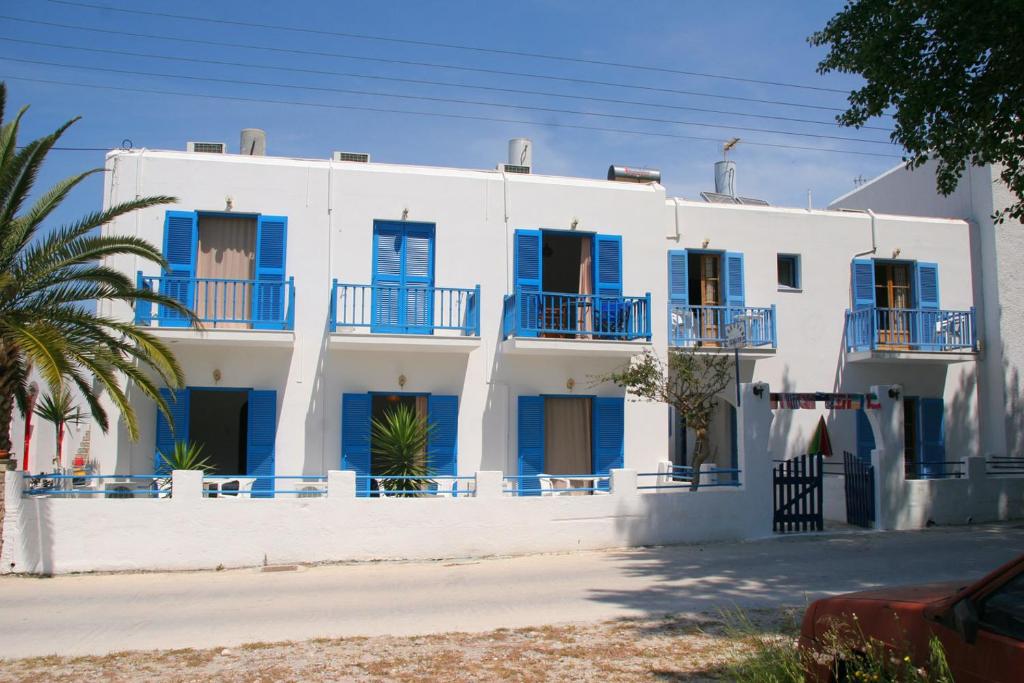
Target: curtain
<point>585,312</point>
<point>567,436</point>
<point>227,251</point>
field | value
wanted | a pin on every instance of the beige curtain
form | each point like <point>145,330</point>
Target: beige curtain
<point>227,251</point>
<point>567,436</point>
<point>585,313</point>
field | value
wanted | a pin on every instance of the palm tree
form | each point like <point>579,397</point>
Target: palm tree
<point>60,410</point>
<point>47,283</point>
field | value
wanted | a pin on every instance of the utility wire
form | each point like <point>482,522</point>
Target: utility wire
<point>451,46</point>
<point>430,65</point>
<point>427,98</point>
<point>463,117</point>
<point>250,65</point>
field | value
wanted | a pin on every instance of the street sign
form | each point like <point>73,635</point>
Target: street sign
<point>736,334</point>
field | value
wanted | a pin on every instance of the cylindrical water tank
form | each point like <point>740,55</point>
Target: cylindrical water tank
<point>520,152</point>
<point>254,142</point>
<point>629,174</point>
<point>725,177</point>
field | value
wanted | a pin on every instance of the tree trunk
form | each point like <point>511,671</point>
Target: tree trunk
<point>8,377</point>
<point>700,455</point>
<point>60,447</point>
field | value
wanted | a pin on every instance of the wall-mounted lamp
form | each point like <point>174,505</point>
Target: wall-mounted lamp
<point>229,203</point>
<point>896,252</point>
<point>894,391</point>
<point>401,381</point>
<point>759,389</point>
<point>216,375</point>
<point>570,383</point>
<point>575,224</point>
<point>405,214</point>
<point>705,243</point>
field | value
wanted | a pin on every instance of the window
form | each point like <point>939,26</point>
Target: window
<point>1003,610</point>
<point>789,271</point>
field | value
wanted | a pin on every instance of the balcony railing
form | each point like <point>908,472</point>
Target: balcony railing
<point>910,329</point>
<point>706,325</point>
<point>576,316</point>
<point>394,309</point>
<point>220,303</point>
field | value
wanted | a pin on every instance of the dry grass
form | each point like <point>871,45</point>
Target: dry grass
<point>676,648</point>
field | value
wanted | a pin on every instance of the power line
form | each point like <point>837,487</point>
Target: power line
<point>452,46</point>
<point>427,98</point>
<point>431,65</point>
<point>464,117</point>
<point>249,65</point>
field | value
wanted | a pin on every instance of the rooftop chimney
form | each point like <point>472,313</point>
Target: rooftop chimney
<point>254,142</point>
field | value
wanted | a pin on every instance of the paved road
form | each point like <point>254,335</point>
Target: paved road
<point>103,613</point>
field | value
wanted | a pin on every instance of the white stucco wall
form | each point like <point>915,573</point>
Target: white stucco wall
<point>997,252</point>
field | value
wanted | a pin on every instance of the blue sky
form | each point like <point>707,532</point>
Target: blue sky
<point>757,40</point>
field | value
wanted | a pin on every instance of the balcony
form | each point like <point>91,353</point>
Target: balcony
<point>910,334</point>
<point>405,317</point>
<point>704,328</point>
<point>260,312</point>
<point>549,322</point>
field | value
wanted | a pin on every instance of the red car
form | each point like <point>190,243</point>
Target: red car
<point>981,626</point>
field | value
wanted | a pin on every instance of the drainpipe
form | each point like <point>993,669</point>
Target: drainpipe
<point>675,200</point>
<point>874,240</point>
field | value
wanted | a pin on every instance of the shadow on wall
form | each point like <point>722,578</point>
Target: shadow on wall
<point>316,416</point>
<point>782,435</point>
<point>34,536</point>
<point>1014,418</point>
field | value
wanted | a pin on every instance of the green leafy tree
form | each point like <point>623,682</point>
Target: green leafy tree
<point>690,381</point>
<point>48,282</point>
<point>60,410</point>
<point>399,446</point>
<point>950,70</point>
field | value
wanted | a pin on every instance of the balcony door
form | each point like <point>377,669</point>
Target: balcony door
<point>225,268</point>
<point>894,296</point>
<point>403,278</point>
<point>706,291</point>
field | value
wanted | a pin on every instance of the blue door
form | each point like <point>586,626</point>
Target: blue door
<point>356,412</point>
<point>609,435</point>
<point>403,278</point>
<point>531,443</point>
<point>166,433</point>
<point>260,440</point>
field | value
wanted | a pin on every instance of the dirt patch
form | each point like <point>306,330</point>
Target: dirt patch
<point>674,648</point>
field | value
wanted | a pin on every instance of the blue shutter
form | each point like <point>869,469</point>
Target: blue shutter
<point>528,271</point>
<point>269,295</point>
<point>418,279</point>
<point>678,278</point>
<point>177,405</point>
<point>735,290</point>
<point>356,410</point>
<point>608,265</point>
<point>609,432</point>
<point>931,414</point>
<point>443,413</point>
<point>180,237</point>
<point>865,437</point>
<point>531,442</point>
<point>862,283</point>
<point>387,277</point>
<point>262,434</point>
<point>927,286</point>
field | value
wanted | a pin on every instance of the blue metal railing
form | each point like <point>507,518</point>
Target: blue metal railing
<point>383,486</point>
<point>410,309</point>
<point>267,305</point>
<point>911,329</point>
<point>680,478</point>
<point>529,314</point>
<point>98,485</point>
<point>555,484</point>
<point>705,325</point>
<point>933,470</point>
<point>252,486</point>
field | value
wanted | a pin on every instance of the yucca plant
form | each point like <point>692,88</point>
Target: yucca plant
<point>60,410</point>
<point>399,446</point>
<point>49,282</point>
<point>185,456</point>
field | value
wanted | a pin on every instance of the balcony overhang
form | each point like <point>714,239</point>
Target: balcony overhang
<point>746,352</point>
<point>544,346</point>
<point>915,357</point>
<point>223,337</point>
<point>421,343</point>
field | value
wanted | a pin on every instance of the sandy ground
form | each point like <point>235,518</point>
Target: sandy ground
<point>671,648</point>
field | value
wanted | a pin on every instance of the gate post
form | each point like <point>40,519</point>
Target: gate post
<point>753,425</point>
<point>887,458</point>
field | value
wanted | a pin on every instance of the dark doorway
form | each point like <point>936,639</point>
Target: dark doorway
<point>218,421</point>
<point>382,404</point>
<point>563,259</point>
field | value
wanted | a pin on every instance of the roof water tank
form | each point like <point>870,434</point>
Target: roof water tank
<point>725,177</point>
<point>520,152</point>
<point>630,174</point>
<point>254,142</point>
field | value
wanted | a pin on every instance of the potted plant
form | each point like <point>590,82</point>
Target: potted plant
<point>185,456</point>
<point>399,448</point>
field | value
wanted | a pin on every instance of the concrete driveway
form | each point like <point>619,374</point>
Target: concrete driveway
<point>103,613</point>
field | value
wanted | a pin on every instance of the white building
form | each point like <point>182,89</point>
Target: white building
<point>331,289</point>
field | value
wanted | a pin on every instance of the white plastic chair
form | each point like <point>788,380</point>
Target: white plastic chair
<point>244,488</point>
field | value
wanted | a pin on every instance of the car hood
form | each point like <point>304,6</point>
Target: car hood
<point>921,594</point>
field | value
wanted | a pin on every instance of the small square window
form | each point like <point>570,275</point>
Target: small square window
<point>789,271</point>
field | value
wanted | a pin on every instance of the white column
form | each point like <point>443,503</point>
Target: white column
<point>887,458</point>
<point>489,484</point>
<point>623,483</point>
<point>186,485</point>
<point>341,484</point>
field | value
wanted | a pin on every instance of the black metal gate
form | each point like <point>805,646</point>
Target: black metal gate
<point>797,485</point>
<point>860,490</point>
